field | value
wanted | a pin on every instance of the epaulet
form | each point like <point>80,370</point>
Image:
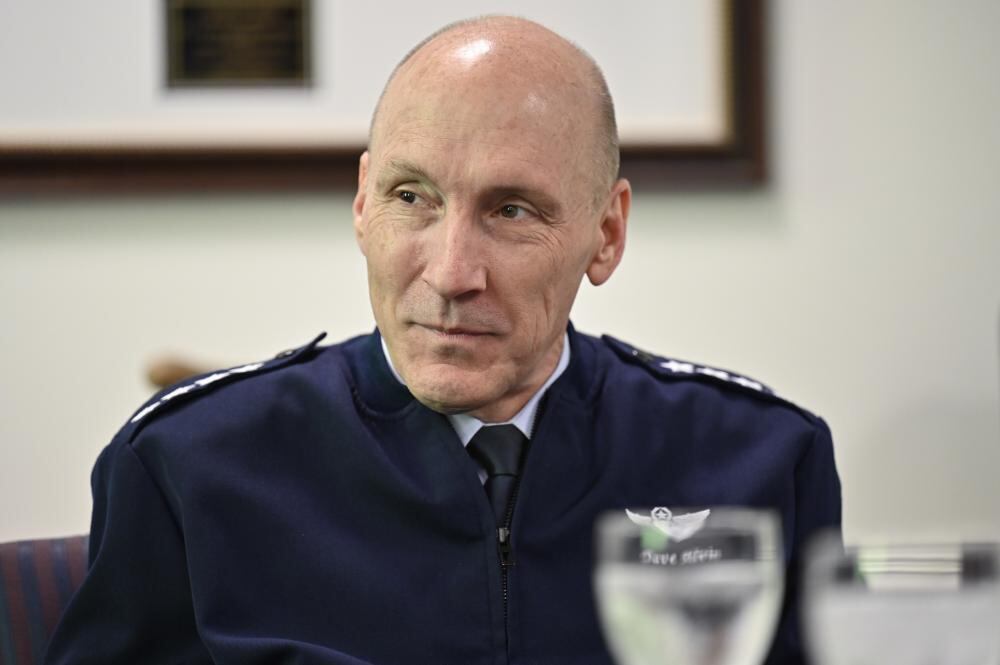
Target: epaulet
<point>188,390</point>
<point>673,369</point>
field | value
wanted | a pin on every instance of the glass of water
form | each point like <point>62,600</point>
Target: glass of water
<point>691,587</point>
<point>903,604</point>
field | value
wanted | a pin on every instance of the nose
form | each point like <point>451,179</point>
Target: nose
<point>456,257</point>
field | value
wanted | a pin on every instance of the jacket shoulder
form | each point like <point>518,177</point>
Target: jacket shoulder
<point>200,386</point>
<point>675,371</point>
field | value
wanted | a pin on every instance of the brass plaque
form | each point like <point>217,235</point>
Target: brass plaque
<point>225,43</point>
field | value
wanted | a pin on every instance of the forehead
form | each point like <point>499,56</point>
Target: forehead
<point>502,126</point>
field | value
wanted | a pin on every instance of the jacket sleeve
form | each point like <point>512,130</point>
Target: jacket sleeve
<point>817,510</point>
<point>134,605</point>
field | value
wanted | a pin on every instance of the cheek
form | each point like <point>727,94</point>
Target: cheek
<point>392,256</point>
<point>565,264</point>
<point>542,282</point>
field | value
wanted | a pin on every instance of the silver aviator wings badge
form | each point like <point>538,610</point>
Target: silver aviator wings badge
<point>677,527</point>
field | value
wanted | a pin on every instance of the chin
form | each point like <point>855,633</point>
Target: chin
<point>452,392</point>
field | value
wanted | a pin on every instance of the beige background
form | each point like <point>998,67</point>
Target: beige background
<point>864,281</point>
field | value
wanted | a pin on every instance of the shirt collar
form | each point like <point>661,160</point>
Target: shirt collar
<point>466,426</point>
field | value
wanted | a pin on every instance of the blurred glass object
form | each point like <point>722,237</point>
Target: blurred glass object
<point>690,587</point>
<point>903,604</point>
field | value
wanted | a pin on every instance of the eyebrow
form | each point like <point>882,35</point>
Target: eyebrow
<point>545,202</point>
<point>397,168</point>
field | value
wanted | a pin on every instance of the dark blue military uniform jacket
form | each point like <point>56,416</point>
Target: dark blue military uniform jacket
<point>308,510</point>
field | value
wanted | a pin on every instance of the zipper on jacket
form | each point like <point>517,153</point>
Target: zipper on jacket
<point>506,556</point>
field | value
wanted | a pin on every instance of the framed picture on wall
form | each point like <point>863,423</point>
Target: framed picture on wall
<point>251,43</point>
<point>212,95</point>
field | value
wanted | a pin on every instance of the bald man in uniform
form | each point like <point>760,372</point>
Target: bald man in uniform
<point>328,506</point>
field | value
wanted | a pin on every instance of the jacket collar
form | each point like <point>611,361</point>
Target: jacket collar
<point>379,392</point>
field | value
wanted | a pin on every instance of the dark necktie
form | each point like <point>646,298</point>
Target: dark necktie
<point>499,450</point>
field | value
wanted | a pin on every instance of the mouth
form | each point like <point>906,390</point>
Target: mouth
<point>456,332</point>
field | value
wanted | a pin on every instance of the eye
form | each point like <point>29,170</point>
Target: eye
<point>406,196</point>
<point>511,211</point>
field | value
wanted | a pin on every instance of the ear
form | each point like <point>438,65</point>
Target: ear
<point>611,232</point>
<point>360,200</point>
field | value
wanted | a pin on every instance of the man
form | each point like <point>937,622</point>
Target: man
<point>322,507</point>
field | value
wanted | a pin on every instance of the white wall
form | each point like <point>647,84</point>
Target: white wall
<point>864,282</point>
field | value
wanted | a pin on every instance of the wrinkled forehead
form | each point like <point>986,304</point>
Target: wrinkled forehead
<point>504,109</point>
<point>481,107</point>
<point>466,146</point>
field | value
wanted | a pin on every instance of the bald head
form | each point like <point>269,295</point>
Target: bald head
<point>510,57</point>
<point>487,193</point>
